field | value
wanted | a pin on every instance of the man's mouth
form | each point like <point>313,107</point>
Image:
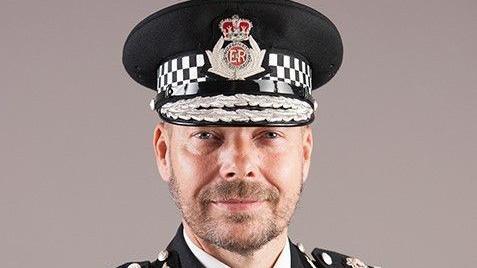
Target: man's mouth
<point>238,205</point>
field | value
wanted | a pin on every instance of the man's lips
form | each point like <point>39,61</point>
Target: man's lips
<point>236,205</point>
<point>236,201</point>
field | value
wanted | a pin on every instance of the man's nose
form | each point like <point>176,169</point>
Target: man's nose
<point>238,159</point>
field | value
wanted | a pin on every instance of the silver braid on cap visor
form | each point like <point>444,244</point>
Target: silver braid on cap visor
<point>239,108</point>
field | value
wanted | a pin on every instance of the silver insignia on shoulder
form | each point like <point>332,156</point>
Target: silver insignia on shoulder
<point>327,258</point>
<point>162,256</point>
<point>355,263</point>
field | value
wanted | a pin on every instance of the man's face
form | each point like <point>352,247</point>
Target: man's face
<point>236,187</point>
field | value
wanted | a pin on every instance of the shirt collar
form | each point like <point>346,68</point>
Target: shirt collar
<point>283,261</point>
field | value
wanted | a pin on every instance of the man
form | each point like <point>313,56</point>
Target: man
<point>234,82</point>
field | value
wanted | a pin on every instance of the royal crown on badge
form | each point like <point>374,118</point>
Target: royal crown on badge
<point>235,28</point>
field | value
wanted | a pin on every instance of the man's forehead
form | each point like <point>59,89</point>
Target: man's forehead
<point>233,129</point>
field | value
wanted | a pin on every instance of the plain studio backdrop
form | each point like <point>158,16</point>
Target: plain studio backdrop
<point>393,176</point>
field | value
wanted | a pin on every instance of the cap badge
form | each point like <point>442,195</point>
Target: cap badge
<point>236,61</point>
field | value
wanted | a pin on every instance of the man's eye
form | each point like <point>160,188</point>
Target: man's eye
<point>204,135</point>
<point>271,135</point>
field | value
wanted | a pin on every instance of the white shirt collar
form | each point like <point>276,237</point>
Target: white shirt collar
<point>283,261</point>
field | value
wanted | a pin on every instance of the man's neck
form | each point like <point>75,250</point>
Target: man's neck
<point>264,257</point>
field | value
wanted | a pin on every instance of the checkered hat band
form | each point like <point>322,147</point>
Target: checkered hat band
<point>189,69</point>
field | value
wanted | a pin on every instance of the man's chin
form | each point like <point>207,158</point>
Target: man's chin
<point>241,227</point>
<point>242,237</point>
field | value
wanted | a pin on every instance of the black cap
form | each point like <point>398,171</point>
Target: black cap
<point>234,62</point>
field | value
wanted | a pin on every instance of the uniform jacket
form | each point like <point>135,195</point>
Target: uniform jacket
<point>178,254</point>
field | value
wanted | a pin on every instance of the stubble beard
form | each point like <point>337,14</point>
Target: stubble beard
<point>256,229</point>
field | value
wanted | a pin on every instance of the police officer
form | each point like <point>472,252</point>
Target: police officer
<point>234,81</point>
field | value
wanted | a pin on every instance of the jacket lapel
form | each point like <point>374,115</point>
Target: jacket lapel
<point>297,259</point>
<point>182,255</point>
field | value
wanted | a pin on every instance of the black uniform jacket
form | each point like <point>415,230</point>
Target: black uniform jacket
<point>179,255</point>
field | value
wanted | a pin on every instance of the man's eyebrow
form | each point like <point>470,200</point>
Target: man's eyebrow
<point>204,127</point>
<point>271,128</point>
<point>190,129</point>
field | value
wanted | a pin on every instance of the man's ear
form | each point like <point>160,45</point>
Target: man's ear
<point>161,150</point>
<point>307,150</point>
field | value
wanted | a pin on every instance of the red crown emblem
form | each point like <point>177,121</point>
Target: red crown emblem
<point>235,28</point>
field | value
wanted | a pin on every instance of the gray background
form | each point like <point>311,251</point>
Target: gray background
<point>393,173</point>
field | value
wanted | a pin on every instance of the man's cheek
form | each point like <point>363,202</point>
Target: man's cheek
<point>194,160</point>
<point>190,164</point>
<point>286,178</point>
<point>281,165</point>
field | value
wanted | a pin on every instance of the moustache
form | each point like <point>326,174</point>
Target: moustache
<point>238,189</point>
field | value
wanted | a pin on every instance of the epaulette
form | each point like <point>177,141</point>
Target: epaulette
<point>328,258</point>
<point>164,260</point>
<point>331,259</point>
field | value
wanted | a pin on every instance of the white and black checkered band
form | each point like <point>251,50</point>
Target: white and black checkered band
<point>189,69</point>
